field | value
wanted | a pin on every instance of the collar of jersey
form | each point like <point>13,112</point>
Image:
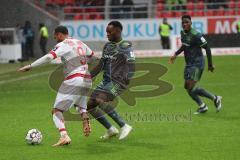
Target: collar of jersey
<point>188,32</point>
<point>118,42</point>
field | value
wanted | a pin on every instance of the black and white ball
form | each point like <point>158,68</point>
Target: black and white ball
<point>34,136</point>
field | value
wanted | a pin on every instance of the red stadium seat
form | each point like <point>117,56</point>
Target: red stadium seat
<point>159,15</point>
<point>210,12</point>
<point>178,14</point>
<point>168,14</point>
<point>238,5</point>
<point>199,13</point>
<point>70,2</point>
<point>230,12</point>
<point>200,5</point>
<point>60,2</point>
<point>49,2</point>
<point>99,16</point>
<point>190,13</point>
<point>190,6</point>
<point>220,12</point>
<point>231,4</point>
<point>78,17</point>
<point>68,9</point>
<point>160,7</point>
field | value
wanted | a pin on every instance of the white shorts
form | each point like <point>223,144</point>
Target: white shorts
<point>73,92</point>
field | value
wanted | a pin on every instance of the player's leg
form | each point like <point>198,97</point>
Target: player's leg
<point>67,95</point>
<point>191,76</point>
<point>81,106</point>
<point>93,109</point>
<point>58,119</point>
<point>109,105</point>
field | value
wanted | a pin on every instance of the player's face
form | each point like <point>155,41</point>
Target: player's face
<point>186,24</point>
<point>113,33</point>
<point>59,37</point>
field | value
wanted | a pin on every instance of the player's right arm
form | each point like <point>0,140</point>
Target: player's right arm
<point>47,58</point>
<point>179,51</point>
<point>58,51</point>
<point>97,69</point>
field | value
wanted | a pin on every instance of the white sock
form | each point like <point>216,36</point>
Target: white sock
<point>59,123</point>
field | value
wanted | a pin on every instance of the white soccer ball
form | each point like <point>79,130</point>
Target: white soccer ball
<point>34,136</point>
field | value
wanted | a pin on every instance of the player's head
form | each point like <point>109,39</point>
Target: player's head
<point>114,31</point>
<point>186,22</point>
<point>60,33</point>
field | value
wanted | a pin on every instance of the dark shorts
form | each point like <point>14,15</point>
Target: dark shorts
<point>112,90</point>
<point>192,73</point>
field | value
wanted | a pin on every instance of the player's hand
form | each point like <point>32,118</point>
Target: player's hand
<point>172,59</point>
<point>211,68</point>
<point>86,124</point>
<point>25,68</point>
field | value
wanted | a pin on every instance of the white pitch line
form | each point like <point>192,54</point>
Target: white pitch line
<point>24,77</point>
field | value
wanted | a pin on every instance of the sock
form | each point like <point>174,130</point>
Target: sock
<point>195,97</point>
<point>113,114</point>
<point>99,116</point>
<point>59,123</point>
<point>204,93</point>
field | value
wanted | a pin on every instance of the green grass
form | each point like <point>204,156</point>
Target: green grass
<point>26,103</point>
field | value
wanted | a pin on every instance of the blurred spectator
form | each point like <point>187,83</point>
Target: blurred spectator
<point>29,33</point>
<point>238,26</point>
<point>127,8</point>
<point>115,9</point>
<point>164,31</point>
<point>21,37</point>
<point>43,32</point>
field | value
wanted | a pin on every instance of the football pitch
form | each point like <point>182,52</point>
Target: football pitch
<point>164,127</point>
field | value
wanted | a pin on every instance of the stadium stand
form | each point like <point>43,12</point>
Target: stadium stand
<point>108,9</point>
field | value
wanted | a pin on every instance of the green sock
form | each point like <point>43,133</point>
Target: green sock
<point>204,93</point>
<point>99,116</point>
<point>113,114</point>
<point>195,97</point>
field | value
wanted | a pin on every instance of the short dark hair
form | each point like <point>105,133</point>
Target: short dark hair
<point>186,16</point>
<point>116,24</point>
<point>61,29</point>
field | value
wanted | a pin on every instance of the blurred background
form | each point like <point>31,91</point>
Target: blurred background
<point>20,30</point>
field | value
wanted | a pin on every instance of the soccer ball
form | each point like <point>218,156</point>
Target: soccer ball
<point>34,136</point>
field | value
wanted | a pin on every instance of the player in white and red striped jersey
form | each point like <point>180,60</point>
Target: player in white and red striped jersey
<point>77,80</point>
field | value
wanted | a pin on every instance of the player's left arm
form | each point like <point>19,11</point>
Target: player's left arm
<point>204,44</point>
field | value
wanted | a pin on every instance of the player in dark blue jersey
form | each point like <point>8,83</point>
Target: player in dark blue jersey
<point>117,64</point>
<point>192,44</point>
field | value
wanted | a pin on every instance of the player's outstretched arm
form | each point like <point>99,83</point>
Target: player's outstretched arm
<point>38,62</point>
<point>179,51</point>
<point>209,57</point>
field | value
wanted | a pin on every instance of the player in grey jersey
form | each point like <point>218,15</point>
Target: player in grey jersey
<point>117,64</point>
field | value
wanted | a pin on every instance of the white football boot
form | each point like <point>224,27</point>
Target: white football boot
<point>111,132</point>
<point>125,130</point>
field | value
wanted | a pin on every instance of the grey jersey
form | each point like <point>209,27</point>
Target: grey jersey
<point>194,41</point>
<point>118,66</point>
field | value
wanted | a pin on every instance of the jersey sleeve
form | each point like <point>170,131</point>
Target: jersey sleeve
<point>60,49</point>
<point>201,41</point>
<point>128,50</point>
